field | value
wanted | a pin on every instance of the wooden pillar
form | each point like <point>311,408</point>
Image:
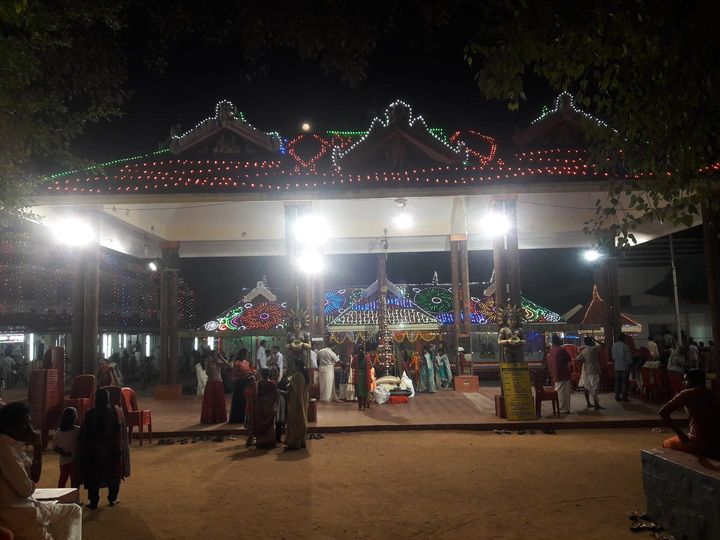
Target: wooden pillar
<point>168,388</point>
<point>78,313</point>
<point>465,285</point>
<point>320,296</point>
<point>456,289</point>
<point>172,326</point>
<point>710,246</point>
<point>513,254</point>
<point>163,360</point>
<point>90,308</point>
<point>500,272</point>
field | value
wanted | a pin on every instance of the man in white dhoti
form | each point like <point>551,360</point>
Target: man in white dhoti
<point>589,358</point>
<point>27,518</point>
<point>327,359</point>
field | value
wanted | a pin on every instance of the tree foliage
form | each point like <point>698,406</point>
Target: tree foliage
<point>645,67</point>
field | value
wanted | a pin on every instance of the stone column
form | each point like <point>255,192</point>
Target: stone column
<point>78,314</point>
<point>513,253</point>
<point>90,308</point>
<point>309,301</point>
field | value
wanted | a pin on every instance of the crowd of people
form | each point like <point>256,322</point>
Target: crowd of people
<point>94,454</point>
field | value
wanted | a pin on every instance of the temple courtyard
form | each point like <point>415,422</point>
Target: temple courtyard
<point>447,484</point>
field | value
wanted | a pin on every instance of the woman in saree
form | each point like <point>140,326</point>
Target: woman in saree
<point>241,372</point>
<point>362,378</point>
<point>444,369</point>
<point>297,407</point>
<point>265,408</point>
<point>427,372</point>
<point>213,404</point>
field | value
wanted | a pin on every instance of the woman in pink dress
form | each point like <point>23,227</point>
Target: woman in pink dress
<point>213,405</point>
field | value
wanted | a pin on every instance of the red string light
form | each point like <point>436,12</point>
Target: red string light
<point>309,164</point>
<point>468,137</point>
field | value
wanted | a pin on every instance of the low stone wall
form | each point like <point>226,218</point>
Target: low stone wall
<point>682,493</point>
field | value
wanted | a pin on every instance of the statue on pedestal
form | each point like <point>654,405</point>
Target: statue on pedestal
<point>511,338</point>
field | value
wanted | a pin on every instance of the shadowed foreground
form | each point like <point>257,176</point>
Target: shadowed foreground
<point>382,485</point>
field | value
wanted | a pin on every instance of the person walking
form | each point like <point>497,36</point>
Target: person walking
<point>559,364</point>
<point>327,359</point>
<point>265,411</point>
<point>622,358</point>
<point>589,359</point>
<point>103,452</point>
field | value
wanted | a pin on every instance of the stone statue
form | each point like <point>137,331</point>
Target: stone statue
<point>511,338</point>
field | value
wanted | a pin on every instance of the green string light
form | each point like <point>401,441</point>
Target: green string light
<point>108,163</point>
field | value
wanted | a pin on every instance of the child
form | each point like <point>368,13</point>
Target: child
<point>64,442</point>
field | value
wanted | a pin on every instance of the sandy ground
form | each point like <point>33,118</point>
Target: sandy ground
<point>382,485</point>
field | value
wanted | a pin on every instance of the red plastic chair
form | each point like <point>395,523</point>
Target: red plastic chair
<point>649,384</point>
<point>544,394</point>
<point>135,416</point>
<point>6,534</point>
<point>82,394</point>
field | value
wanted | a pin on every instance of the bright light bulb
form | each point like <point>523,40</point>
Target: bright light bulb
<point>495,224</point>
<point>591,255</point>
<point>306,127</point>
<point>152,266</point>
<point>73,232</point>
<point>403,221</point>
<point>311,229</point>
<point>311,262</point>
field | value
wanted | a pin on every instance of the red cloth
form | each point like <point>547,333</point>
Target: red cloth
<point>559,364</point>
<point>399,399</point>
<point>703,407</point>
<point>213,405</point>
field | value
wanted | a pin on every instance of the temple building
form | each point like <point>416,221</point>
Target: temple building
<point>229,188</point>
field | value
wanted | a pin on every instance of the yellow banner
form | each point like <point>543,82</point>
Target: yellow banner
<point>517,391</point>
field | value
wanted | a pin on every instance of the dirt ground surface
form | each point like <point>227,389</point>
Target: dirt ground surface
<point>444,484</point>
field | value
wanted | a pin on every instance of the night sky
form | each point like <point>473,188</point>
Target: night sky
<point>431,76</point>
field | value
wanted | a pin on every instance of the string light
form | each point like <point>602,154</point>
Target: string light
<point>560,103</point>
<point>310,164</point>
<point>484,159</point>
<point>380,123</point>
<point>225,112</point>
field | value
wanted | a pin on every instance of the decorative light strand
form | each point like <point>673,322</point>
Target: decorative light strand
<point>560,104</point>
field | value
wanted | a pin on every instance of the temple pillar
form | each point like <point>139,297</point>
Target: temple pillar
<point>606,280</point>
<point>513,253</point>
<point>309,301</point>
<point>78,314</point>
<point>456,289</point>
<point>91,294</point>
<point>465,286</point>
<point>710,245</point>
<point>320,300</point>
<point>168,388</point>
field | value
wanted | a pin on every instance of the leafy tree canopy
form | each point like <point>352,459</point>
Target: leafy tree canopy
<point>647,68</point>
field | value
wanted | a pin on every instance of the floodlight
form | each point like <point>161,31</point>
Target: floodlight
<point>152,266</point>
<point>495,224</point>
<point>73,232</point>
<point>592,255</point>
<point>403,221</point>
<point>311,262</point>
<point>311,229</point>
